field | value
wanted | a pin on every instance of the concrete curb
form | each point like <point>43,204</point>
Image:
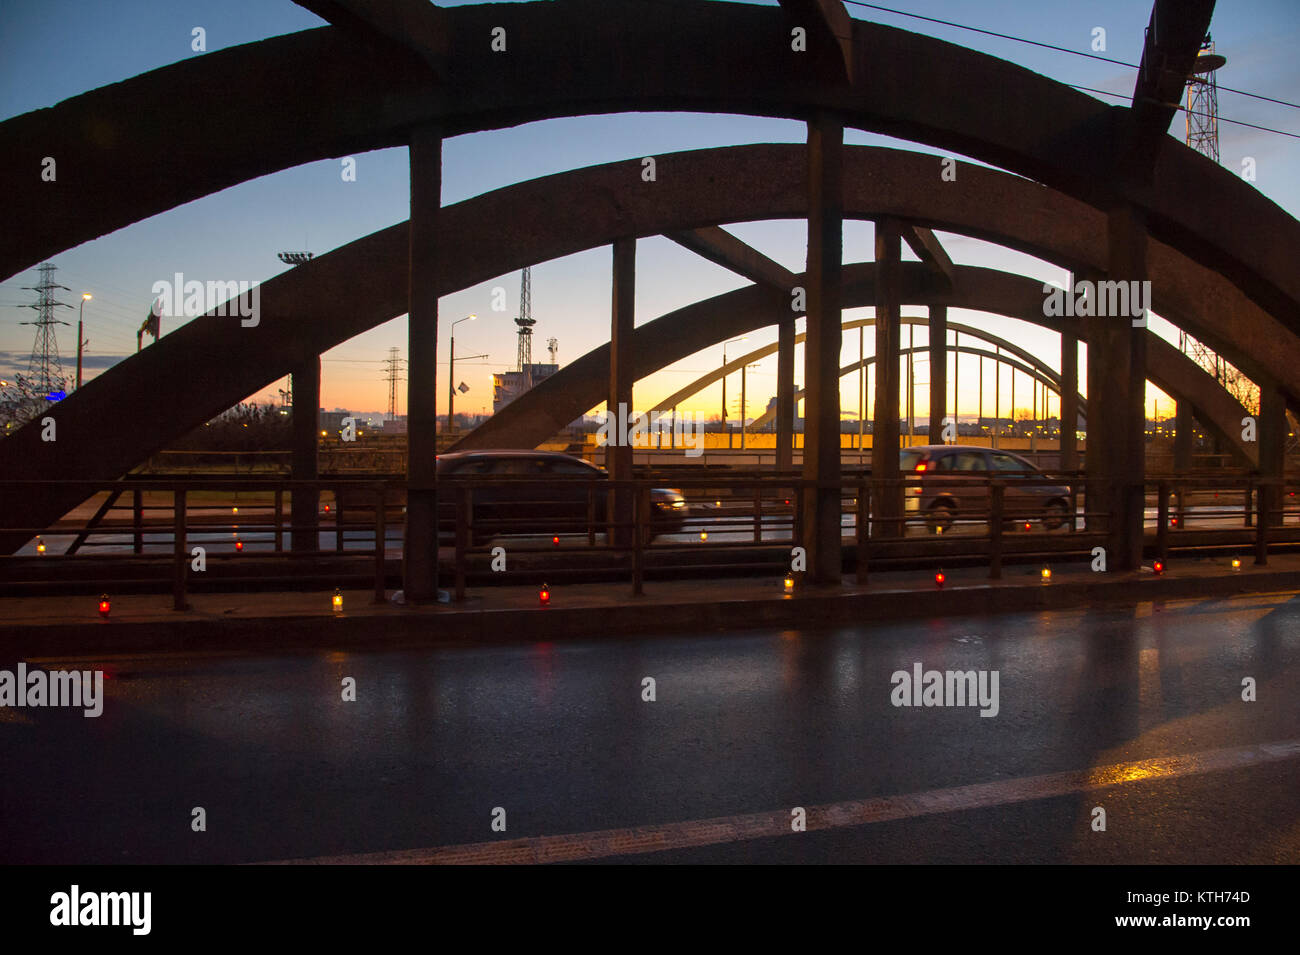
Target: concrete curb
<point>387,628</point>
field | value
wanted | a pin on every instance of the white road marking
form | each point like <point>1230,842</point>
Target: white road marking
<point>573,847</point>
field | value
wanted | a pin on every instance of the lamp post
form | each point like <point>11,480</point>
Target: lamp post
<point>451,373</point>
<point>744,407</point>
<point>81,314</point>
<point>724,384</point>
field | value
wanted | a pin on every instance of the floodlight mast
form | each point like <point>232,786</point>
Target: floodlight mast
<point>294,259</point>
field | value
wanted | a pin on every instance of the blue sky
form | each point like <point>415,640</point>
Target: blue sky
<point>53,49</point>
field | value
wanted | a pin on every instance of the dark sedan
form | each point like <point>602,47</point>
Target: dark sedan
<point>960,486</point>
<point>538,492</point>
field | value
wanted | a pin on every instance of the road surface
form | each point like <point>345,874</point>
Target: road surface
<point>1138,712</point>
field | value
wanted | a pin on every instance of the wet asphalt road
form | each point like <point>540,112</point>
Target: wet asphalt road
<point>559,736</point>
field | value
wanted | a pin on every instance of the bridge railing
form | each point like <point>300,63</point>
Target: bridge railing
<point>504,529</point>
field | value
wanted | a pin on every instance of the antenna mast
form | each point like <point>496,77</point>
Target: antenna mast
<point>525,323</point>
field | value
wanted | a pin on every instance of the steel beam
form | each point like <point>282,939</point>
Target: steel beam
<point>305,422</point>
<point>1116,458</point>
<point>827,22</point>
<point>414,25</point>
<point>420,543</point>
<point>821,456</point>
<point>1182,437</point>
<point>884,422</point>
<point>722,248</point>
<point>1173,41</point>
<point>1272,434</point>
<point>1069,442</point>
<point>618,452</point>
<point>785,403</point>
<point>938,333</point>
<point>927,247</point>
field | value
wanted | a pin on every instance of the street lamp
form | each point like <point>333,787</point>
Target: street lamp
<point>743,405</point>
<point>743,338</point>
<point>451,372</point>
<point>81,314</point>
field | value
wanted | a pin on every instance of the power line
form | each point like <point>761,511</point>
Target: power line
<point>1269,99</point>
<point>1183,109</point>
<point>1002,36</point>
<point>1060,49</point>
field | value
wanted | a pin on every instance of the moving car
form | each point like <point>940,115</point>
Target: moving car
<point>539,492</point>
<point>961,487</point>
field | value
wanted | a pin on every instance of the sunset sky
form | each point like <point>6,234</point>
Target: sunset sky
<point>53,49</point>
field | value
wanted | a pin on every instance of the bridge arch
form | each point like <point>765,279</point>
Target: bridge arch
<point>705,57</point>
<point>1040,375</point>
<point>211,363</point>
<point>550,405</point>
<point>757,354</point>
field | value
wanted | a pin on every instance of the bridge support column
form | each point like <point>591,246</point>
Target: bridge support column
<point>938,371</point>
<point>1116,454</point>
<point>1272,447</point>
<point>785,394</point>
<point>888,500</point>
<point>618,453</point>
<point>304,538</point>
<point>1182,437</point>
<point>1094,457</point>
<point>1069,400</point>
<point>420,545</point>
<point>821,453</point>
<point>1182,454</point>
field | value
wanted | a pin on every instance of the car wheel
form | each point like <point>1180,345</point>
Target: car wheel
<point>1055,515</point>
<point>939,519</point>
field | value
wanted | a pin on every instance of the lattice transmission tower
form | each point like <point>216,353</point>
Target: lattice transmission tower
<point>393,371</point>
<point>44,369</point>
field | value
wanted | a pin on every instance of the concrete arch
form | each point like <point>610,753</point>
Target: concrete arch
<point>1051,382</point>
<point>553,403</point>
<point>207,365</point>
<point>587,57</point>
<point>734,365</point>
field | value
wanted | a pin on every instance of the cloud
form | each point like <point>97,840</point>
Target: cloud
<point>15,363</point>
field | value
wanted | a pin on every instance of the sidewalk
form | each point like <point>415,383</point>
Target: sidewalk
<point>275,621</point>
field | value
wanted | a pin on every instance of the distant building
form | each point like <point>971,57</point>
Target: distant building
<point>771,409</point>
<point>509,385</point>
<point>331,422</point>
